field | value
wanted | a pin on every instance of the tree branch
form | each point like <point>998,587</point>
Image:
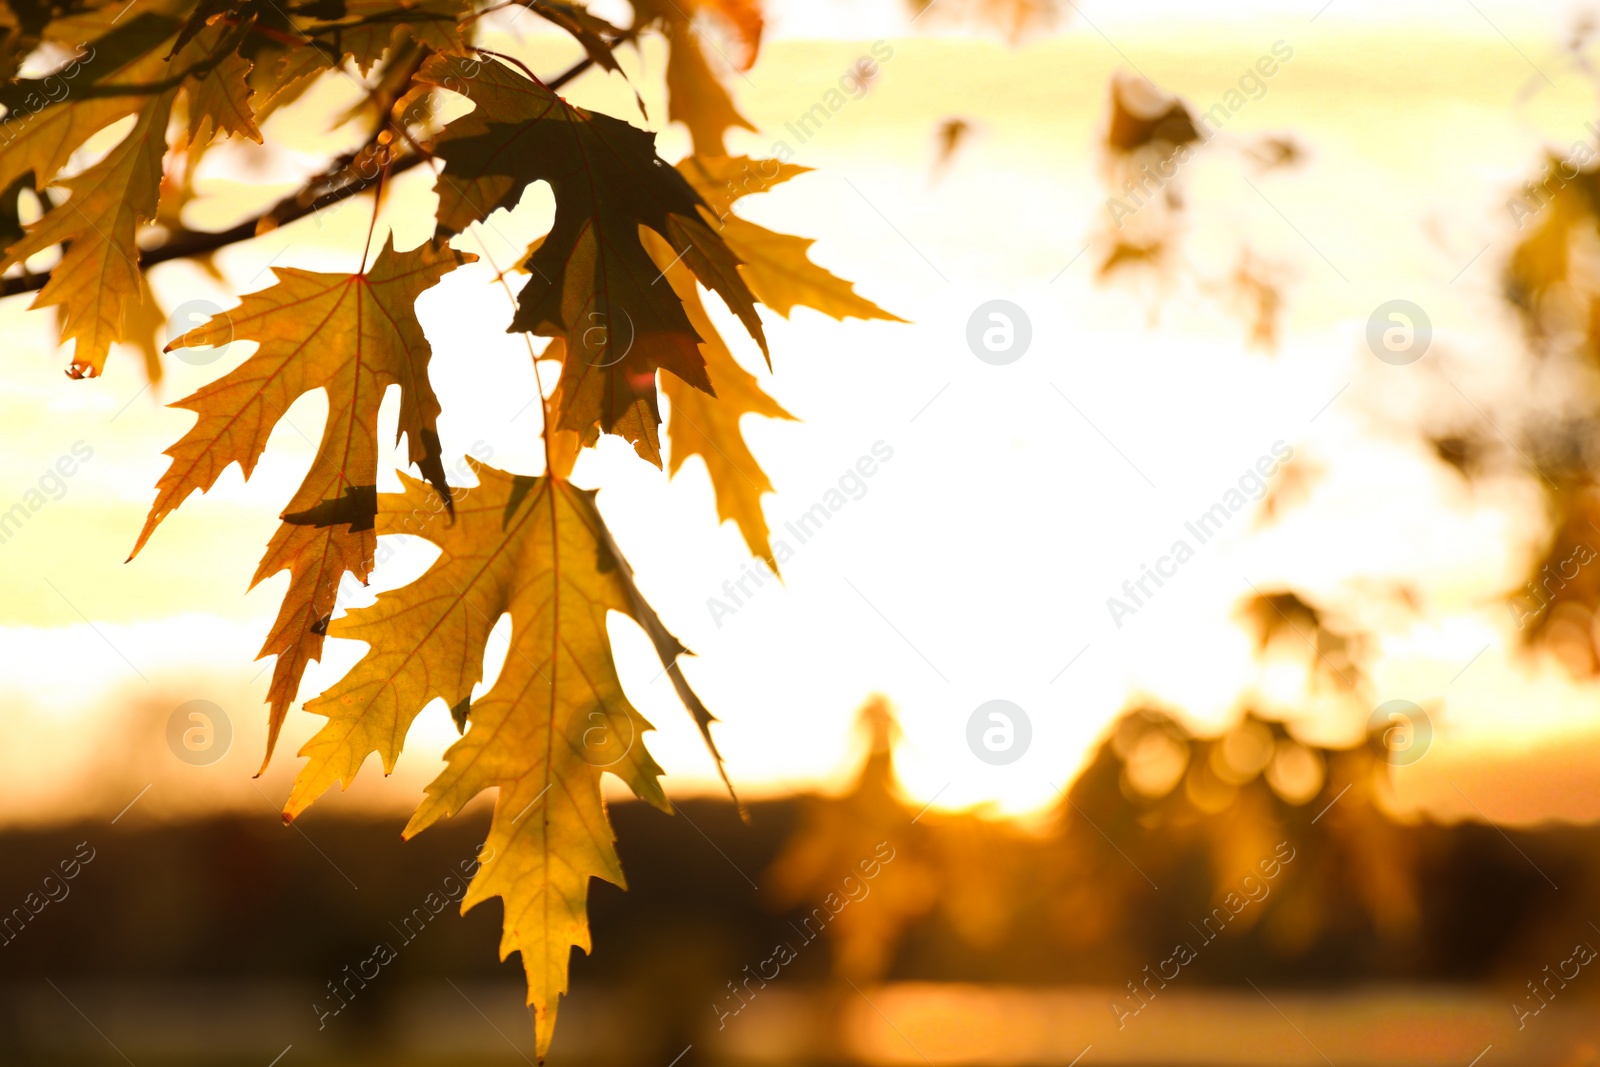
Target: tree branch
<point>291,208</point>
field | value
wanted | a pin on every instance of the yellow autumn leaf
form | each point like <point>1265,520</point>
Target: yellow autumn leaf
<point>353,336</point>
<point>97,283</point>
<point>321,38</point>
<point>219,98</point>
<point>46,122</point>
<point>776,266</point>
<point>779,270</point>
<point>722,180</point>
<point>554,721</point>
<point>708,426</point>
<point>97,280</point>
<point>696,96</point>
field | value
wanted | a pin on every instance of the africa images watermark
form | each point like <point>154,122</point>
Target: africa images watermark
<point>1204,527</point>
<point>1255,890</point>
<point>803,528</point>
<point>855,891</point>
<point>1583,954</point>
<point>452,889</point>
<point>853,81</point>
<point>53,889</point>
<point>51,89</point>
<point>1539,196</point>
<point>51,485</point>
<point>1543,593</point>
<point>1210,122</point>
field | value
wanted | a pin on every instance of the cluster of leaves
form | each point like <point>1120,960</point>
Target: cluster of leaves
<point>189,73</point>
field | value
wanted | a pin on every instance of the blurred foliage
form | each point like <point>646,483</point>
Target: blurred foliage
<point>1150,139</point>
<point>1157,806</point>
<point>1552,284</point>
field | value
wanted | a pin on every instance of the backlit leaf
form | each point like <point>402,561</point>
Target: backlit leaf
<point>777,267</point>
<point>592,283</point>
<point>353,336</point>
<point>554,721</point>
<point>696,95</point>
<point>97,280</point>
<point>708,426</point>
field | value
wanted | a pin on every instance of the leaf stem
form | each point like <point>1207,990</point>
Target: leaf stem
<point>527,339</point>
<point>377,204</point>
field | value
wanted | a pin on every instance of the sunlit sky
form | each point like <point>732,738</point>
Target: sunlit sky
<point>978,563</point>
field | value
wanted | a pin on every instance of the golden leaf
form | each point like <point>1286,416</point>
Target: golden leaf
<point>219,99</point>
<point>363,31</point>
<point>696,96</point>
<point>97,280</point>
<point>554,721</point>
<point>97,284</point>
<point>777,266</point>
<point>708,426</point>
<point>46,122</point>
<point>352,335</point>
<point>771,263</point>
<point>779,271</point>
